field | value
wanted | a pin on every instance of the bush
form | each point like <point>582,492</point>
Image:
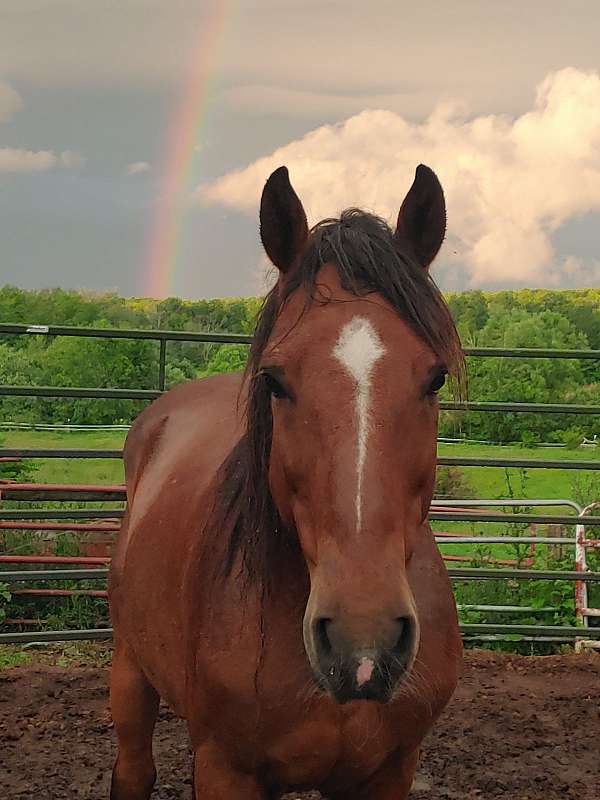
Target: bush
<point>19,471</point>
<point>451,484</point>
<point>5,598</point>
<point>572,439</point>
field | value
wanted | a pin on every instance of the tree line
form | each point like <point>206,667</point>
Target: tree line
<point>510,319</point>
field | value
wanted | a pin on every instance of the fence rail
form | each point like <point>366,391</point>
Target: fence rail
<point>457,574</point>
<point>443,461</point>
<point>153,394</point>
<point>234,338</point>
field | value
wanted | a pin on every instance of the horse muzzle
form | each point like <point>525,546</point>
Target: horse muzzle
<point>350,670</point>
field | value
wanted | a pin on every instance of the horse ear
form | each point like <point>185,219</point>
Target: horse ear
<point>422,218</point>
<point>283,226</point>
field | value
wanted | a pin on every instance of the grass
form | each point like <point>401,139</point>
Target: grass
<point>490,482</point>
<point>59,654</point>
<point>486,482</point>
<point>62,470</point>
<point>11,657</point>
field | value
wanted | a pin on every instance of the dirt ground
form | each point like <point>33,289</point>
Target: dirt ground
<point>519,728</point>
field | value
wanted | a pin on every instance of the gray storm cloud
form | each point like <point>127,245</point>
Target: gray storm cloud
<point>18,159</point>
<point>10,101</point>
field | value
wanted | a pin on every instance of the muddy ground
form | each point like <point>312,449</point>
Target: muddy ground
<point>519,728</point>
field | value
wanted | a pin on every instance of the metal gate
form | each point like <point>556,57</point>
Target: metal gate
<point>44,570</point>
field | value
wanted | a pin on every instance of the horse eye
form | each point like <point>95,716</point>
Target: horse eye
<point>274,387</point>
<point>437,383</point>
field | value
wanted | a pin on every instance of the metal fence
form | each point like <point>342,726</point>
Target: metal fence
<point>106,521</point>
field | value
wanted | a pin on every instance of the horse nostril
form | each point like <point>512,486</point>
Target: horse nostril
<point>322,641</point>
<point>404,638</point>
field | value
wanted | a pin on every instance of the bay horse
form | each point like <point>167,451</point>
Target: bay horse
<point>275,579</point>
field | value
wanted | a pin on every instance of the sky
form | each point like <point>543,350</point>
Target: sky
<point>136,135</point>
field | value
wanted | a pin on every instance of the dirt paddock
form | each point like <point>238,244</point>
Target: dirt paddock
<point>518,728</point>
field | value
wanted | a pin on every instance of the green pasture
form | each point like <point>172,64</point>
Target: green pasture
<point>491,482</point>
<point>62,470</point>
<point>485,482</point>
<point>482,482</point>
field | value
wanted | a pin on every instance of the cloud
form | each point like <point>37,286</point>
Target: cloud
<point>10,102</point>
<point>71,159</point>
<point>15,160</point>
<point>581,273</point>
<point>509,182</point>
<point>264,276</point>
<point>259,99</point>
<point>138,166</point>
<point>334,47</point>
<point>132,43</point>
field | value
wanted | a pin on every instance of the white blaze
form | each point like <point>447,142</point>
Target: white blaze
<point>357,349</point>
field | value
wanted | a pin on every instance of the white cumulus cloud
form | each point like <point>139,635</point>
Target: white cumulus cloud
<point>509,182</point>
<point>137,166</point>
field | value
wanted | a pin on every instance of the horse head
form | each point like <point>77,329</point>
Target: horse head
<point>352,347</point>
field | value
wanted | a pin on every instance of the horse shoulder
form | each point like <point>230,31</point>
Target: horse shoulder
<point>181,438</point>
<point>179,422</point>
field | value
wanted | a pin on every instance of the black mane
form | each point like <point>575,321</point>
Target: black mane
<point>368,259</point>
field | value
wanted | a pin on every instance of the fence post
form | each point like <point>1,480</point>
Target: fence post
<point>162,363</point>
<point>581,593</point>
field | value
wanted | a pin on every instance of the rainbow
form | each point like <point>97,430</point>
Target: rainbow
<point>183,133</point>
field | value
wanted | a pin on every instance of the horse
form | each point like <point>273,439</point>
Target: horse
<point>275,579</point>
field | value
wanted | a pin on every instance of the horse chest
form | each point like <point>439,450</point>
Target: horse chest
<point>336,751</point>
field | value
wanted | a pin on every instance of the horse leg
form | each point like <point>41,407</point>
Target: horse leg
<point>393,781</point>
<point>134,707</point>
<point>216,779</point>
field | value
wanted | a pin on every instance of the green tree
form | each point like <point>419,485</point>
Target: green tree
<point>97,363</point>
<point>470,312</point>
<point>228,358</point>
<point>524,380</point>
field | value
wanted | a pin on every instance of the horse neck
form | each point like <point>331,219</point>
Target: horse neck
<point>288,588</point>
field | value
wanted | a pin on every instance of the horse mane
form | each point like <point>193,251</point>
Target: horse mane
<point>368,259</point>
